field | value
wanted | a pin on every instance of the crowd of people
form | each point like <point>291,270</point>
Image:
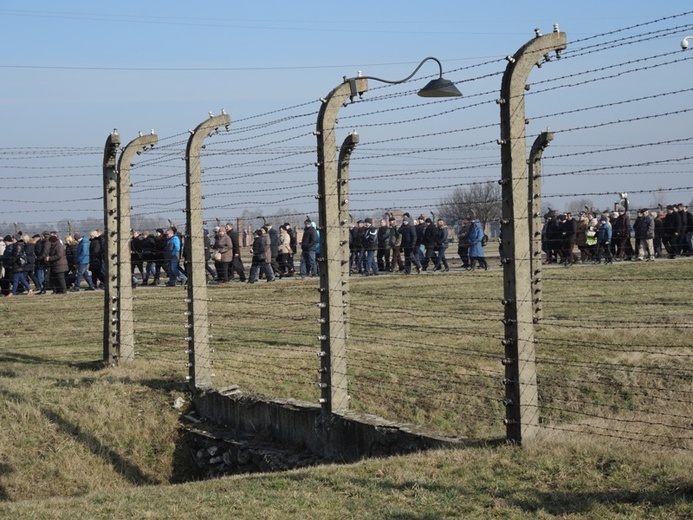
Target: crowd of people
<point>48,262</point>
<point>75,263</point>
<point>613,236</point>
<point>414,245</point>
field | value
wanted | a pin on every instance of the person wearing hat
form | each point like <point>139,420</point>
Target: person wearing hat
<point>420,225</point>
<point>554,237</point>
<point>283,252</point>
<point>569,228</point>
<point>273,235</point>
<point>476,248</point>
<point>621,235</point>
<point>430,233</point>
<point>160,242</point>
<point>370,246</point>
<point>148,254</point>
<point>260,255</point>
<point>6,264</point>
<point>293,243</point>
<point>384,246</point>
<point>604,241</point>
<point>672,230</point>
<point>408,233</point>
<point>172,257</point>
<point>441,246</point>
<point>309,243</point>
<point>19,263</point>
<point>591,241</point>
<point>356,247</point>
<point>81,263</point>
<point>644,228</point>
<point>395,246</point>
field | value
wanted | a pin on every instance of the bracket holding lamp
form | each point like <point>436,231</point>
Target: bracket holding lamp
<point>439,87</point>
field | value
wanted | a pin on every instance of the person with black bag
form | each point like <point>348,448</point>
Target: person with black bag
<point>19,262</point>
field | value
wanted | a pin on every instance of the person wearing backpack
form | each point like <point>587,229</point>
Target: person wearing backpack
<point>19,265</point>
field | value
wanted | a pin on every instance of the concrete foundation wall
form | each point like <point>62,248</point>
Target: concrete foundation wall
<point>342,437</point>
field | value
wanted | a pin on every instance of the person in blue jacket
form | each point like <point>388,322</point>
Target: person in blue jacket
<point>476,249</point>
<point>172,257</point>
<point>604,241</point>
<point>82,264</point>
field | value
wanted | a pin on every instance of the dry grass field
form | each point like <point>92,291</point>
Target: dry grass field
<point>82,441</point>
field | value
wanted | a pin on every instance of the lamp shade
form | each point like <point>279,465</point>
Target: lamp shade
<point>440,87</point>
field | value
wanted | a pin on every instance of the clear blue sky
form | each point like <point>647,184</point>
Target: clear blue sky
<point>73,70</point>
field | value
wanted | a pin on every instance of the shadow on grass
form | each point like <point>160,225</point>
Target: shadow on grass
<point>15,357</point>
<point>4,470</point>
<point>554,503</point>
<point>129,471</point>
<point>561,503</point>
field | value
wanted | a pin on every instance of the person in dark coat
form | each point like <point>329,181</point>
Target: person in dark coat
<point>159,255</point>
<point>672,231</point>
<point>273,234</point>
<point>96,253</point>
<point>395,246</point>
<point>420,225</point>
<point>355,246</point>
<point>384,248</point>
<point>441,246</point>
<point>658,233</point>
<point>30,269</point>
<point>476,249</point>
<point>6,263</point>
<point>370,246</point>
<point>18,264</point>
<point>411,253</point>
<point>554,237</point>
<point>569,232</point>
<point>686,226</point>
<point>430,232</point>
<point>309,243</point>
<point>40,242</point>
<point>137,255</point>
<point>463,242</point>
<point>621,235</point>
<point>56,259</point>
<point>71,257</point>
<point>260,255</point>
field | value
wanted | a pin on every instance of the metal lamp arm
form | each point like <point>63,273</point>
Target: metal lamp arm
<point>440,66</point>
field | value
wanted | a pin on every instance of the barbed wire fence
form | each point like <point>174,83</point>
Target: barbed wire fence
<point>425,350</point>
